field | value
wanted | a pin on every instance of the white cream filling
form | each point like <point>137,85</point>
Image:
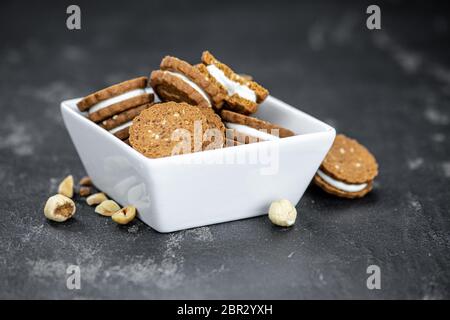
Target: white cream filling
<point>149,90</point>
<point>122,126</point>
<point>108,102</point>
<point>191,83</point>
<point>251,131</point>
<point>231,86</point>
<point>341,185</point>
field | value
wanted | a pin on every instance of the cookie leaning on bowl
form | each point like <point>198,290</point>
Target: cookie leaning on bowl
<point>114,107</point>
<point>348,169</point>
<point>242,94</point>
<point>173,128</point>
<point>246,129</point>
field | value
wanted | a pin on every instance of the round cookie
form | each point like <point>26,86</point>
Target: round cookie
<point>179,81</point>
<point>212,119</point>
<point>151,131</point>
<point>348,170</point>
<point>349,162</point>
<point>120,107</point>
<point>110,92</point>
<point>255,123</point>
<point>169,87</point>
<point>123,117</point>
<point>214,122</point>
<point>243,95</point>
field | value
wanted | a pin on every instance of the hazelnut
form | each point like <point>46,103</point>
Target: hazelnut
<point>84,191</point>
<point>124,215</point>
<point>85,181</point>
<point>282,213</point>
<point>107,208</point>
<point>96,198</point>
<point>66,187</point>
<point>59,208</point>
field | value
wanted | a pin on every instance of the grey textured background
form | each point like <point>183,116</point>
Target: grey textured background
<point>390,89</point>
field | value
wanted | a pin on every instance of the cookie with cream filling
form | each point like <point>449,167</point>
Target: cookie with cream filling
<point>348,170</point>
<point>179,81</point>
<point>114,94</point>
<point>114,107</point>
<point>242,94</point>
<point>250,129</point>
<point>119,124</point>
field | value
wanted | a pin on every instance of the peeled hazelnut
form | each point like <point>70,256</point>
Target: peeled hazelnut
<point>282,213</point>
<point>96,198</point>
<point>84,191</point>
<point>124,215</point>
<point>59,208</point>
<point>66,187</point>
<point>107,208</point>
<point>85,181</point>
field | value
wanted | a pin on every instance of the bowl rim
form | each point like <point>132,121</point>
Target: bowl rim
<point>69,106</point>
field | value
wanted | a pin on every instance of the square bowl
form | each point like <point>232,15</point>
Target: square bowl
<point>207,187</point>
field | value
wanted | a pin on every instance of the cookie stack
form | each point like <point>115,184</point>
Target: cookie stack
<point>115,107</point>
<point>212,84</point>
<point>222,98</point>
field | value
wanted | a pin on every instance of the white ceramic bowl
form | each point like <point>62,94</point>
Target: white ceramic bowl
<point>208,187</point>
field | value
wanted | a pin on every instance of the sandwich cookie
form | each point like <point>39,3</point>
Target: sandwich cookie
<point>242,94</point>
<point>246,129</point>
<point>179,81</point>
<point>119,124</point>
<point>108,102</point>
<point>215,132</point>
<point>117,105</point>
<point>348,169</point>
<point>167,129</point>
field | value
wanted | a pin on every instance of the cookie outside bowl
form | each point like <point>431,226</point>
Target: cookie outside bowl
<point>348,170</point>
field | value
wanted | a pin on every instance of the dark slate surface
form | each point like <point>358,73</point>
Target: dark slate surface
<point>390,89</point>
